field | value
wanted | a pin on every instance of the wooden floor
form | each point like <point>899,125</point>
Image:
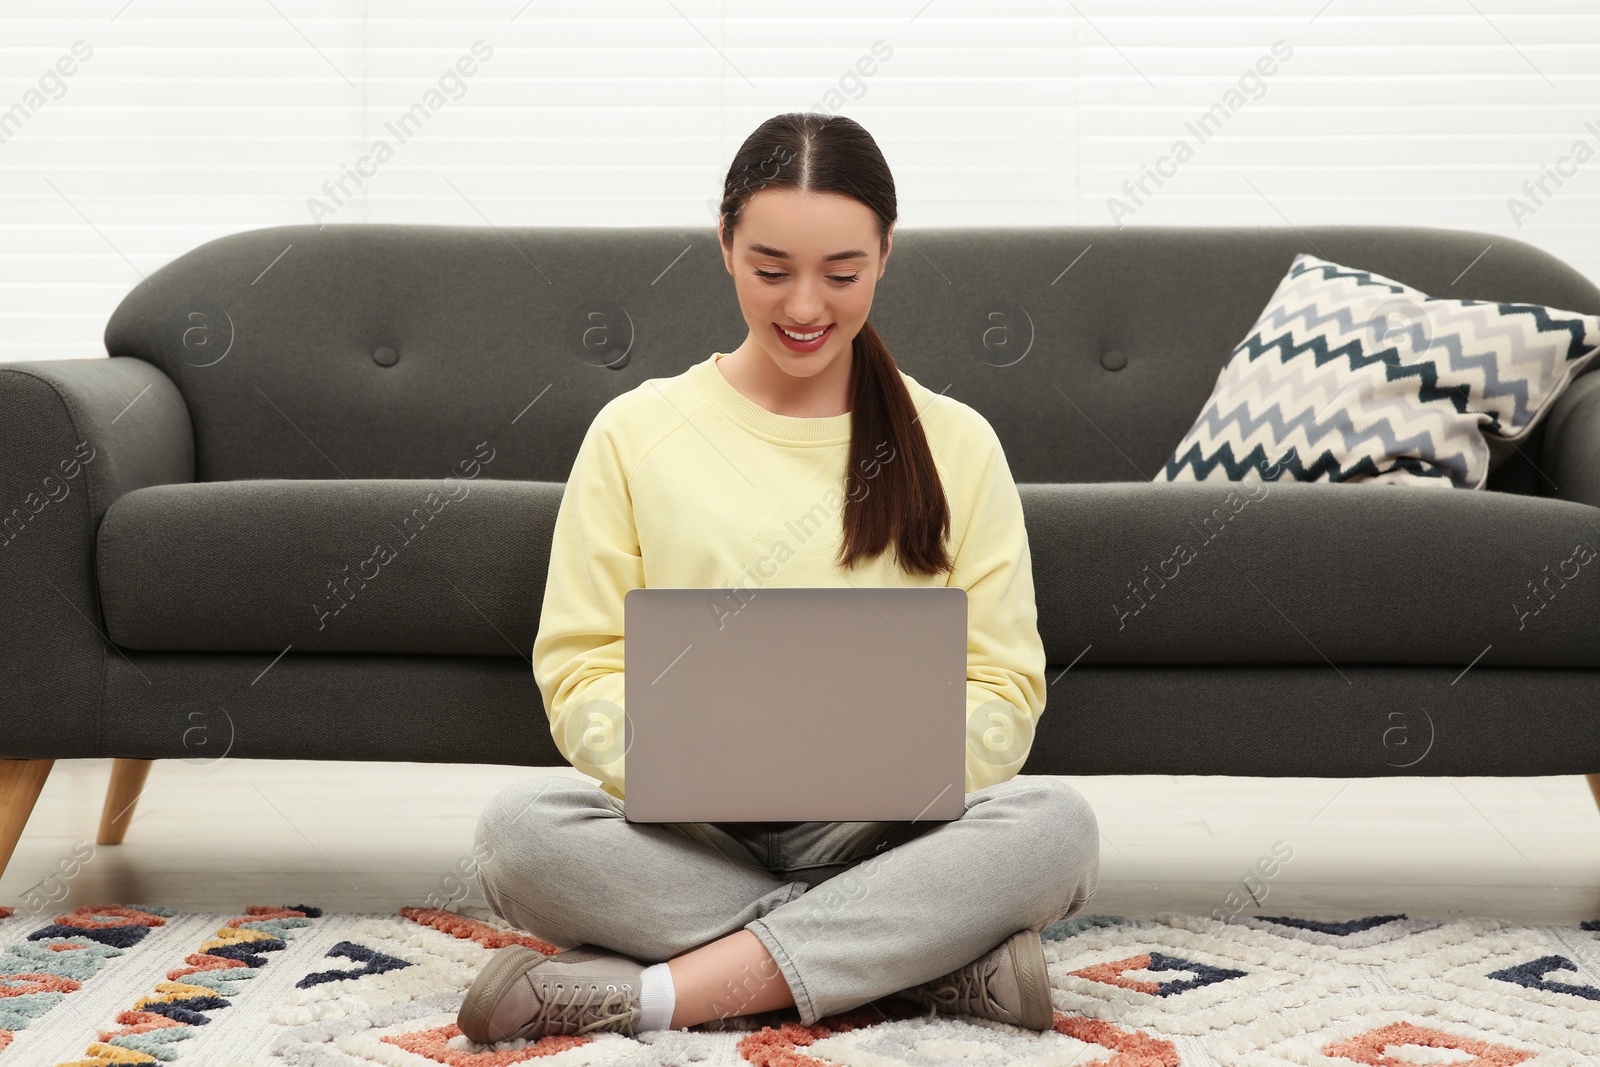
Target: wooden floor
<point>375,836</point>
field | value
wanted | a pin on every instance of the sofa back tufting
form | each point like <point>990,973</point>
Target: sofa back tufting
<point>409,351</point>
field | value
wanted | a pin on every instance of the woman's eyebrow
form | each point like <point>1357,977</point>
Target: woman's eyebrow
<point>778,253</point>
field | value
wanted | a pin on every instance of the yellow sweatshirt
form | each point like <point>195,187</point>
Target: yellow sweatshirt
<point>686,482</point>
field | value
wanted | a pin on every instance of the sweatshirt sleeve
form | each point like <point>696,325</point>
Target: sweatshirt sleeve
<point>578,653</point>
<point>1005,656</point>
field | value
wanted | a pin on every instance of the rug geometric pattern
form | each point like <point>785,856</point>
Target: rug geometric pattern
<point>143,984</point>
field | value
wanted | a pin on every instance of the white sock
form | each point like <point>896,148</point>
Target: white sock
<point>656,997</point>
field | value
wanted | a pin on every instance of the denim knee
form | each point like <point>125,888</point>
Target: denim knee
<point>1059,827</point>
<point>515,821</point>
<point>1070,827</point>
<point>1059,804</point>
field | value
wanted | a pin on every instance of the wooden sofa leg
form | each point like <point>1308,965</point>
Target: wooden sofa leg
<point>1594,786</point>
<point>20,783</point>
<point>127,782</point>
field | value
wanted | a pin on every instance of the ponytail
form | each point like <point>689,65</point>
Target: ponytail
<point>892,488</point>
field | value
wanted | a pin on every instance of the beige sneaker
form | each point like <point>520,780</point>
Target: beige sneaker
<point>521,993</point>
<point>1007,984</point>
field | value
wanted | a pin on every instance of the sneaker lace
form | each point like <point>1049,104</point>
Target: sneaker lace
<point>966,991</point>
<point>601,1006</point>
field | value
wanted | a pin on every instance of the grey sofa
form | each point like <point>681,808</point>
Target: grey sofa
<point>304,508</point>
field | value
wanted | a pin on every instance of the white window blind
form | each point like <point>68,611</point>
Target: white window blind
<point>181,120</point>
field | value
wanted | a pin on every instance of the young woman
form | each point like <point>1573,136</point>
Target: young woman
<point>700,480</point>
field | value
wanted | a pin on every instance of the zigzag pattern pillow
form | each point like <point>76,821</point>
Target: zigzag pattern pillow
<point>1350,376</point>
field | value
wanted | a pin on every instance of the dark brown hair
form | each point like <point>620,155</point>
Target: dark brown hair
<point>897,497</point>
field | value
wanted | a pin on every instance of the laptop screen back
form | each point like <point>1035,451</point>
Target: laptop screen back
<point>795,704</point>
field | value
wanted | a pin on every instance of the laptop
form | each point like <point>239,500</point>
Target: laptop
<point>795,705</point>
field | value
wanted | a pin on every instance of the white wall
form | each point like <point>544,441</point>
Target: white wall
<point>193,119</point>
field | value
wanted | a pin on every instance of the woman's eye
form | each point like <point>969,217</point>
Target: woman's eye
<point>842,279</point>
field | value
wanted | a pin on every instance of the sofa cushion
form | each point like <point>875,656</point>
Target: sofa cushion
<point>1308,572</point>
<point>1124,572</point>
<point>1351,376</point>
<point>359,565</point>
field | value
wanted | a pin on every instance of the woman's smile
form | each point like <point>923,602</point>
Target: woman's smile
<point>803,347</point>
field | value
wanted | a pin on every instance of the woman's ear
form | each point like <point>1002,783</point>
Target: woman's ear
<point>726,250</point>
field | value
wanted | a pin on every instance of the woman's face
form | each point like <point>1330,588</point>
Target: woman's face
<point>785,274</point>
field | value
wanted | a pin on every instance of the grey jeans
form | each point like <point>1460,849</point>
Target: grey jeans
<point>850,911</point>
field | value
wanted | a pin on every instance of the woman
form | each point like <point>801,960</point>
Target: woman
<point>685,482</point>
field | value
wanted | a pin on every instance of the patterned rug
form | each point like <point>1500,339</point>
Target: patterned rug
<point>115,984</point>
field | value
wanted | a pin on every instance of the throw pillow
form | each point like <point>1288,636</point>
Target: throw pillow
<point>1349,376</point>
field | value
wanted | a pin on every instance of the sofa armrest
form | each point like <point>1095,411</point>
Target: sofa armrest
<point>75,435</point>
<point>1570,456</point>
